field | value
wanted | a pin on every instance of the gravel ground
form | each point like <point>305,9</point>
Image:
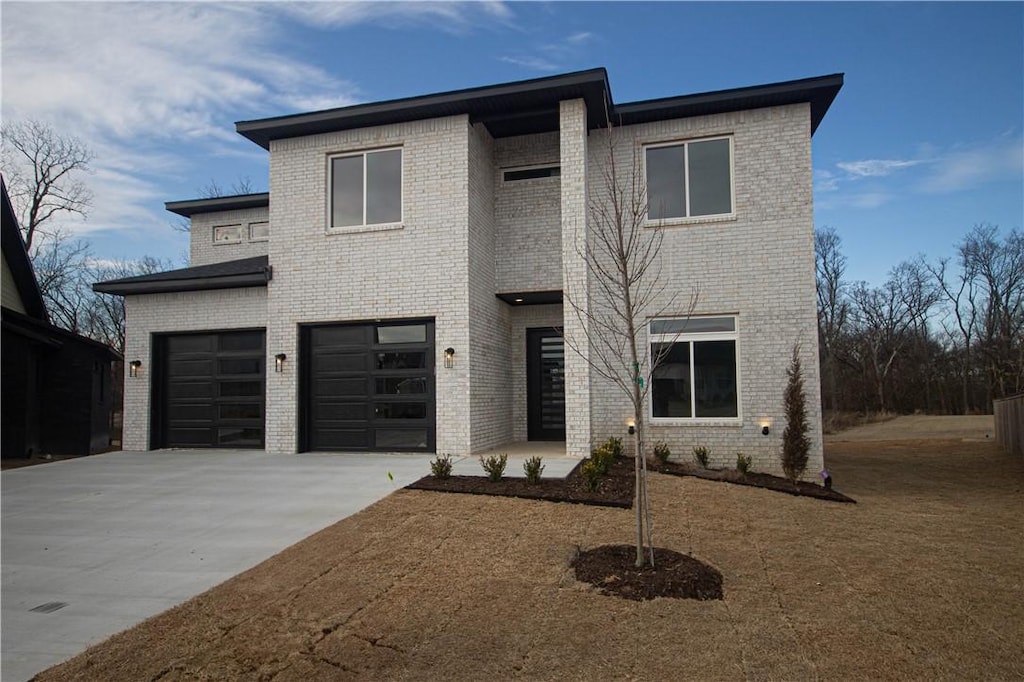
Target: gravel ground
<point>922,579</point>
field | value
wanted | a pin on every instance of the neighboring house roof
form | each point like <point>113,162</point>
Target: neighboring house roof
<point>16,255</point>
<point>232,203</point>
<point>247,272</point>
<point>50,335</point>
<point>531,106</point>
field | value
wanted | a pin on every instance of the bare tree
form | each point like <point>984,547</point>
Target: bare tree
<point>43,169</point>
<point>622,261</point>
<point>888,315</point>
<point>60,263</point>
<point>833,304</point>
<point>106,319</point>
<point>213,190</point>
<point>999,268</point>
<point>960,292</point>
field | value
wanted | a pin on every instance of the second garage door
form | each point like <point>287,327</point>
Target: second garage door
<point>368,386</point>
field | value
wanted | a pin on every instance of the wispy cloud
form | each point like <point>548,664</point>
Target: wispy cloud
<point>870,183</point>
<point>875,168</point>
<point>141,82</point>
<point>968,168</point>
<point>555,55</point>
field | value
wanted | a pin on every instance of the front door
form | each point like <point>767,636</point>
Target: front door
<point>545,384</point>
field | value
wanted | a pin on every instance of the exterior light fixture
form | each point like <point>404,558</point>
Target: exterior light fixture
<point>133,368</point>
<point>631,425</point>
<point>765,430</point>
<point>826,478</point>
<point>279,362</point>
<point>449,357</point>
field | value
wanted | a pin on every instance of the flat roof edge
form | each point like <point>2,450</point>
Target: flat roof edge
<point>191,207</point>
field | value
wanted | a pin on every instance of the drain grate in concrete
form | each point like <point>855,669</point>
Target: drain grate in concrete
<point>49,607</point>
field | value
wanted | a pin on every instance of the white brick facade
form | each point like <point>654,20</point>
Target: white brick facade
<point>466,235</point>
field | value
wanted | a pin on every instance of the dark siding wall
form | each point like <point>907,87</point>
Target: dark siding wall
<point>70,379</point>
<point>19,431</point>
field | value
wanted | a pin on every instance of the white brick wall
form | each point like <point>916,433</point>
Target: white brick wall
<point>576,289</point>
<point>420,270</point>
<point>203,251</point>
<point>759,267</point>
<point>178,312</point>
<point>465,236</point>
<point>527,215</point>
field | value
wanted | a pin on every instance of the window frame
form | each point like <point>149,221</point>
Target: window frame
<point>553,165</point>
<point>259,239</point>
<point>237,240</point>
<point>692,338</point>
<point>364,226</point>
<point>689,219</point>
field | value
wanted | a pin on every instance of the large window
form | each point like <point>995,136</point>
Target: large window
<point>689,179</point>
<point>366,188</point>
<point>695,375</point>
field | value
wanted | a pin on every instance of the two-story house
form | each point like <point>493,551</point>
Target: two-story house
<point>401,286</point>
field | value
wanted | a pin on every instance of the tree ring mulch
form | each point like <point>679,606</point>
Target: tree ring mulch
<point>611,569</point>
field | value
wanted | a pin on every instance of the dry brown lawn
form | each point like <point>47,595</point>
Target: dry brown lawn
<point>923,579</point>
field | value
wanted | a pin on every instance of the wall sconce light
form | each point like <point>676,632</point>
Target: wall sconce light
<point>449,357</point>
<point>631,425</point>
<point>133,368</point>
<point>765,430</point>
<point>279,362</point>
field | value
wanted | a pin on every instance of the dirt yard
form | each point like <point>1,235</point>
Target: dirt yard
<point>917,427</point>
<point>922,579</point>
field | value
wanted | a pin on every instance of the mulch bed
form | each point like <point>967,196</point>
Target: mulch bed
<point>611,569</point>
<point>616,488</point>
<point>754,479</point>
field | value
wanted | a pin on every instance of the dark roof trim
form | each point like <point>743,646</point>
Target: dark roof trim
<point>480,102</point>
<point>191,207</point>
<point>532,106</point>
<point>13,246</point>
<point>818,92</point>
<point>50,335</point>
<point>236,274</point>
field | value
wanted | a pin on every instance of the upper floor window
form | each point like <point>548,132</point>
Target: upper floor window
<point>259,232</point>
<point>366,188</point>
<point>689,179</point>
<point>695,369</point>
<point>227,234</point>
<point>531,173</point>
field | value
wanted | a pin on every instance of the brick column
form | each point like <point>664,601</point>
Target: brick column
<point>573,143</point>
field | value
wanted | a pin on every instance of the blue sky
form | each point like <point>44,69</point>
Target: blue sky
<point>924,140</point>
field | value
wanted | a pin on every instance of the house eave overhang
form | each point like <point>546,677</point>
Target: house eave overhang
<point>818,92</point>
<point>238,274</point>
<point>519,298</point>
<point>490,105</point>
<point>191,207</point>
<point>532,106</point>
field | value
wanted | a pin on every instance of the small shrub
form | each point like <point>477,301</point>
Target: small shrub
<point>661,451</point>
<point>742,463</point>
<point>494,465</point>
<point>441,467</point>
<point>533,469</point>
<point>702,454</point>
<point>592,474</point>
<point>603,457</point>
<point>615,445</point>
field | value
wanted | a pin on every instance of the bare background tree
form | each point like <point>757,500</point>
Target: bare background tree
<point>944,336</point>
<point>43,170</point>
<point>212,190</point>
<point>622,261</point>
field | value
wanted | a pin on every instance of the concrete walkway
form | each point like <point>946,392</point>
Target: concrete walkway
<point>94,545</point>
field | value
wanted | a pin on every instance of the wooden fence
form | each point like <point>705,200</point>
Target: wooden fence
<point>1010,423</point>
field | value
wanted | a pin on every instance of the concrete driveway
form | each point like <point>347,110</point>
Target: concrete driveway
<point>94,545</point>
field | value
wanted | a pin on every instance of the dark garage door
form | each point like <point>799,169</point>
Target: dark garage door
<point>369,386</point>
<point>209,390</point>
